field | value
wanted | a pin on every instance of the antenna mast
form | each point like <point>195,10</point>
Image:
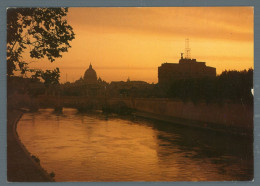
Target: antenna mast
<point>187,49</point>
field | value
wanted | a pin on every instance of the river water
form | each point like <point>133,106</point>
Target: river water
<point>97,147</point>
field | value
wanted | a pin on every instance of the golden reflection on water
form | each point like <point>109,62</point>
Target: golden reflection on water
<point>94,147</point>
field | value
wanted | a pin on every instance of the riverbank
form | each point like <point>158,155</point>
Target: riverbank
<point>227,117</point>
<point>20,165</point>
<point>232,130</point>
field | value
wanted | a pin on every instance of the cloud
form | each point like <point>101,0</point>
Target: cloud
<point>228,23</point>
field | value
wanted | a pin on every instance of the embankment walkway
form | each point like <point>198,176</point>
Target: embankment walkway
<point>20,166</point>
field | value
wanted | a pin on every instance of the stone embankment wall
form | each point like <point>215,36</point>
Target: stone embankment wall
<point>228,114</point>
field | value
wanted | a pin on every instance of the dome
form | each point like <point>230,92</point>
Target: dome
<point>90,75</point>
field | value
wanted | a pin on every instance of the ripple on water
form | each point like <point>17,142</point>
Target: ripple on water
<point>83,147</point>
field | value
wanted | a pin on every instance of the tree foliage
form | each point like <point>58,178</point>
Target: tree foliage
<point>51,77</point>
<point>232,85</point>
<point>44,32</point>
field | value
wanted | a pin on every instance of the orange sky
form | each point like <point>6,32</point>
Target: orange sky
<point>133,42</point>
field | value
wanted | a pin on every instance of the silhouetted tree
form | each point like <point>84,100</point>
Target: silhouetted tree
<point>232,85</point>
<point>43,32</point>
<point>51,80</point>
<point>236,85</point>
<point>51,77</point>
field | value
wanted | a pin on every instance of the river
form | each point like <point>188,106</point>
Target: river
<point>98,147</point>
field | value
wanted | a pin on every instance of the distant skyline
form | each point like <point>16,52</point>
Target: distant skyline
<point>133,42</point>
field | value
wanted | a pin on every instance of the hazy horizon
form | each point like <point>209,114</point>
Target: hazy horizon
<point>132,42</point>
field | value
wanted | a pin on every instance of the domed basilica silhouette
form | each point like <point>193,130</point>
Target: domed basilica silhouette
<point>90,76</point>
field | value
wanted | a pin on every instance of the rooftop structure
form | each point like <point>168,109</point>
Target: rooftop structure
<point>185,69</point>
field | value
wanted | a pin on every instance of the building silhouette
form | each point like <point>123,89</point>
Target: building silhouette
<point>185,69</point>
<point>90,76</point>
<point>126,88</point>
<point>90,82</point>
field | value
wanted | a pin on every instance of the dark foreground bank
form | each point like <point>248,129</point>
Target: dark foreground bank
<point>20,165</point>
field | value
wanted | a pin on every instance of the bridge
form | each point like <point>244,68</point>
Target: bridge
<point>81,103</point>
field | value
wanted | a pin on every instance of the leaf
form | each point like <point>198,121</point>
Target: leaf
<point>45,30</point>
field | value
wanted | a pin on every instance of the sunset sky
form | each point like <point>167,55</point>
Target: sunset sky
<point>133,42</point>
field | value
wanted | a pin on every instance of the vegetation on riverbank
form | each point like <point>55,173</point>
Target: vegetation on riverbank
<point>233,86</point>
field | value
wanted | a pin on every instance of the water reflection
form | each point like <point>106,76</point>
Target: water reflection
<point>95,147</point>
<point>230,155</point>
